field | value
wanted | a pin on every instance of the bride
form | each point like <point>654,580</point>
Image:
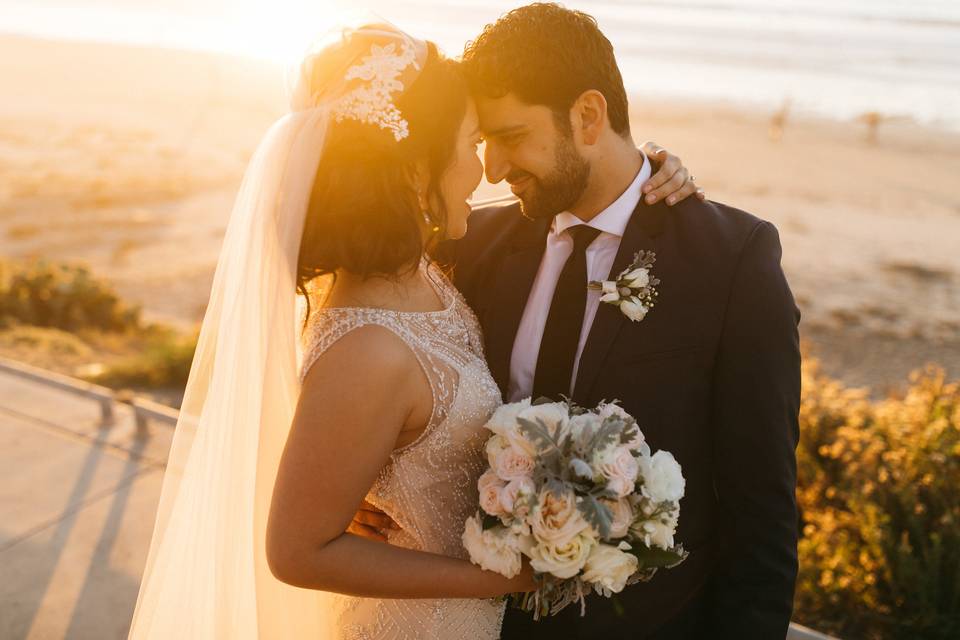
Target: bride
<point>336,365</point>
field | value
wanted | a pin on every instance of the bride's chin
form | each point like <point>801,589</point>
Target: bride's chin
<point>456,232</point>
<point>456,229</point>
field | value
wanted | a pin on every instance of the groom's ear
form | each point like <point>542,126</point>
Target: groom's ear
<point>589,116</point>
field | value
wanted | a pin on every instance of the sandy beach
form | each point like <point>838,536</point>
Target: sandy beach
<point>128,159</point>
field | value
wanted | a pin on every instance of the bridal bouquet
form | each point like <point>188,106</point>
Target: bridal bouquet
<point>578,493</point>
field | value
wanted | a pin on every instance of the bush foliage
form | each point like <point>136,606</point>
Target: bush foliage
<point>163,363</point>
<point>62,296</point>
<point>879,491</point>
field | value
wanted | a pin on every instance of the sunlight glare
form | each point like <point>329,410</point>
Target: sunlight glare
<point>282,30</point>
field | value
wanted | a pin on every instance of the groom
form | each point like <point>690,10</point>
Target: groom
<point>712,372</point>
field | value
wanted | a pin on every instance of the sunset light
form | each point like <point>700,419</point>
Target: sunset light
<point>426,319</point>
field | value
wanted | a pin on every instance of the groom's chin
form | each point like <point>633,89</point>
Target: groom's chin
<point>530,208</point>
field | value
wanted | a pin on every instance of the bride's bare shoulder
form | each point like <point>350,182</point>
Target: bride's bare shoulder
<point>366,352</point>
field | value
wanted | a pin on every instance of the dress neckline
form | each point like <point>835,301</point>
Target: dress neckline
<point>443,294</point>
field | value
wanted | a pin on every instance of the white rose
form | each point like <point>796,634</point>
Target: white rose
<point>565,559</point>
<point>582,428</point>
<point>634,309</point>
<point>503,422</point>
<point>638,278</point>
<point>619,467</point>
<point>620,487</point>
<point>554,415</point>
<point>662,477</point>
<point>495,549</point>
<point>609,286</point>
<point>622,517</point>
<point>515,496</point>
<point>584,424</point>
<point>609,567</point>
<point>490,486</point>
<point>556,518</point>
<point>659,532</point>
<point>507,461</point>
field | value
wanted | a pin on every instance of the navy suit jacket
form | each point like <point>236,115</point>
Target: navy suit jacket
<point>712,374</point>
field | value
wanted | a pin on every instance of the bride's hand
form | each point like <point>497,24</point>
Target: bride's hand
<point>671,181</point>
<point>370,522</point>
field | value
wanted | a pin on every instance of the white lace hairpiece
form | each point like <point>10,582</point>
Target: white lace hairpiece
<point>371,102</point>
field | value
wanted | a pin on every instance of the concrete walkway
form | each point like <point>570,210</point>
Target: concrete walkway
<point>77,506</point>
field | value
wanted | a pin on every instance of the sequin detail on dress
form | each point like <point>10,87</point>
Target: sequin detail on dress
<point>429,487</point>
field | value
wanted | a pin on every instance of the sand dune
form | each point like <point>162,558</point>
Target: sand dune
<point>128,159</point>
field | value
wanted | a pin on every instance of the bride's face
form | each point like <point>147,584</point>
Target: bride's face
<point>462,177</point>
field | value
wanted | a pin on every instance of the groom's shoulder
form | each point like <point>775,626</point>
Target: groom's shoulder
<point>494,219</point>
<point>488,227</point>
<point>719,226</point>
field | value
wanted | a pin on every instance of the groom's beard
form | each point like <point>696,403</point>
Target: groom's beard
<point>561,189</point>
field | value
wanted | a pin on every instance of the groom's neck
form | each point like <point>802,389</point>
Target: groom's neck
<point>613,166</point>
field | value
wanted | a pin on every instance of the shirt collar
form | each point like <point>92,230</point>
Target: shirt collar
<point>613,219</point>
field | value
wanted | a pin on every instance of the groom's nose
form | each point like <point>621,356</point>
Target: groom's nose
<point>495,165</point>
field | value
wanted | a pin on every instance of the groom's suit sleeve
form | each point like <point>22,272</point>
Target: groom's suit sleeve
<point>756,407</point>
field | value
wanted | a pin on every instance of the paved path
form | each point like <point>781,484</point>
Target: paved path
<point>77,505</point>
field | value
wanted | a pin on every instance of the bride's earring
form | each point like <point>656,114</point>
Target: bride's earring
<point>434,227</point>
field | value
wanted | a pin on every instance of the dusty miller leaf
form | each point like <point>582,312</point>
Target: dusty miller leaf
<point>538,434</point>
<point>596,513</point>
<point>655,557</point>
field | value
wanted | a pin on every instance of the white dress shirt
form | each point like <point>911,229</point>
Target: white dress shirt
<point>600,255</point>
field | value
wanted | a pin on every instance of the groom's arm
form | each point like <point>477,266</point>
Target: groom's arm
<point>756,407</point>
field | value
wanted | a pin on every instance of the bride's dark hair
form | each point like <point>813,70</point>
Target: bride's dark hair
<point>364,214</point>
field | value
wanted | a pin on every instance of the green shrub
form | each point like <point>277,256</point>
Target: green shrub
<point>880,499</point>
<point>164,362</point>
<point>62,296</point>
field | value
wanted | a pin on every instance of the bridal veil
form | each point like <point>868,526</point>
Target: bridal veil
<point>206,574</point>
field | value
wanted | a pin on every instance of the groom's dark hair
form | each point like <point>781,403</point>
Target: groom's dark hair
<point>549,55</point>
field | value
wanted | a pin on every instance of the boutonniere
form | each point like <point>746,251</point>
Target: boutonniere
<point>635,289</point>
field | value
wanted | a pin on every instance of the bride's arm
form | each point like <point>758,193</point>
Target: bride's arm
<point>354,402</point>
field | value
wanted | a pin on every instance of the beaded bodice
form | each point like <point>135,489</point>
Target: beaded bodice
<point>429,486</point>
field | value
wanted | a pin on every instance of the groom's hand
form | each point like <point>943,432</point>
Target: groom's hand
<point>369,522</point>
<point>672,181</point>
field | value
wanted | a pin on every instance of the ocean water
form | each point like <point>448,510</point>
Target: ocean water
<point>837,58</point>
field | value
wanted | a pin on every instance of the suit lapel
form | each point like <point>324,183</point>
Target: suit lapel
<point>510,290</point>
<point>646,223</point>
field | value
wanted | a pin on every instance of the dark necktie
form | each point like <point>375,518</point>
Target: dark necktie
<point>561,335</point>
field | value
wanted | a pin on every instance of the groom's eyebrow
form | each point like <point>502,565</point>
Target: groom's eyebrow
<point>502,131</point>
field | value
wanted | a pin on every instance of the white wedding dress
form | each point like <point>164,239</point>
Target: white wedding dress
<point>429,487</point>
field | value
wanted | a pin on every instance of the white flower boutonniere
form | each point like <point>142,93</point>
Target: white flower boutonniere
<point>635,289</point>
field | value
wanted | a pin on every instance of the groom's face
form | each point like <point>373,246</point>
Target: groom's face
<point>527,148</point>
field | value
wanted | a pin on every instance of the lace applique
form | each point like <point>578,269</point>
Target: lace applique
<point>371,102</point>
